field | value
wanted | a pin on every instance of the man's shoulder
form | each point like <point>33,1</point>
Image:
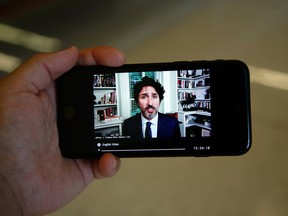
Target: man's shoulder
<point>133,118</point>
<point>165,117</point>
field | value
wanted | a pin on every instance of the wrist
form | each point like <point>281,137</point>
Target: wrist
<point>9,204</point>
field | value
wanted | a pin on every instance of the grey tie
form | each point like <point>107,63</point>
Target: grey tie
<point>148,133</point>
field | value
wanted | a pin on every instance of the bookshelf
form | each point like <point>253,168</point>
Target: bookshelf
<point>194,102</point>
<point>107,122</point>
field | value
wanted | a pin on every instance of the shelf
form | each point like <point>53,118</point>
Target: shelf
<point>106,109</point>
<point>104,88</point>
<point>109,123</point>
<point>104,105</point>
<point>199,125</point>
<point>208,100</point>
<point>198,112</point>
<point>194,102</point>
<point>195,77</point>
<point>194,88</point>
<point>203,99</point>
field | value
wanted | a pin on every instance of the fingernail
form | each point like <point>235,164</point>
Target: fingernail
<point>117,163</point>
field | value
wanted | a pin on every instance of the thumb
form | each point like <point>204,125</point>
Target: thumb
<point>39,71</point>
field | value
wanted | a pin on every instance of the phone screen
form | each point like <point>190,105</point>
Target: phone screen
<point>152,110</point>
<point>177,103</point>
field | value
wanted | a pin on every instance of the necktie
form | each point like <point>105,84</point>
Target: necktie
<point>148,133</point>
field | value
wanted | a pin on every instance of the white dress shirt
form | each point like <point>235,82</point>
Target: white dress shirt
<point>154,125</point>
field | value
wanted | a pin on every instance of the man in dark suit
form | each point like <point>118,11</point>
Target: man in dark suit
<point>148,94</point>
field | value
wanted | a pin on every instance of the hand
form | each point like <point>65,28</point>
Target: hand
<point>34,178</point>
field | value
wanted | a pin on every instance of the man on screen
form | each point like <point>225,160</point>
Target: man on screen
<point>148,94</point>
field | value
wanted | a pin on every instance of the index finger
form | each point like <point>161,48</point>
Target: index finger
<point>103,55</point>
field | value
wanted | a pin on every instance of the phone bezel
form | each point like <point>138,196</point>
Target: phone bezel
<point>76,114</point>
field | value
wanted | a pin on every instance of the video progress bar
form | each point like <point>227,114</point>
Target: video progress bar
<point>138,150</point>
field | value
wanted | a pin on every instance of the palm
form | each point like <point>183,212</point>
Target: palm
<point>35,141</point>
<point>31,166</point>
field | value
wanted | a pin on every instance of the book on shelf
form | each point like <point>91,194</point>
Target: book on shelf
<point>204,105</point>
<point>104,80</point>
<point>193,73</point>
<point>109,98</point>
<point>185,95</point>
<point>186,84</point>
<point>194,131</point>
<point>193,106</point>
<point>106,98</point>
<point>189,84</point>
<point>105,114</point>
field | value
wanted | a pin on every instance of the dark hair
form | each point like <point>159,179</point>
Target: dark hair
<point>147,81</point>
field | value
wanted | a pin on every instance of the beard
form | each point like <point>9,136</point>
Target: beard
<point>149,112</point>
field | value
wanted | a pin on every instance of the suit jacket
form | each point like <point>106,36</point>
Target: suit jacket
<point>167,126</point>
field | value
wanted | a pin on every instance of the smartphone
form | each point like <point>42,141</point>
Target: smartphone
<point>197,108</point>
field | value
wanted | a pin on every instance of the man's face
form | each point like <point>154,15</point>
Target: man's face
<point>148,102</point>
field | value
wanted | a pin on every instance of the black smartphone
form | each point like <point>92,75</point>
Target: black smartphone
<point>197,108</point>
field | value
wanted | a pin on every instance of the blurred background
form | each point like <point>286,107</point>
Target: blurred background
<point>256,32</point>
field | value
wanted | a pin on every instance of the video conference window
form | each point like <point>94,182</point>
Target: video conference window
<point>153,104</point>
